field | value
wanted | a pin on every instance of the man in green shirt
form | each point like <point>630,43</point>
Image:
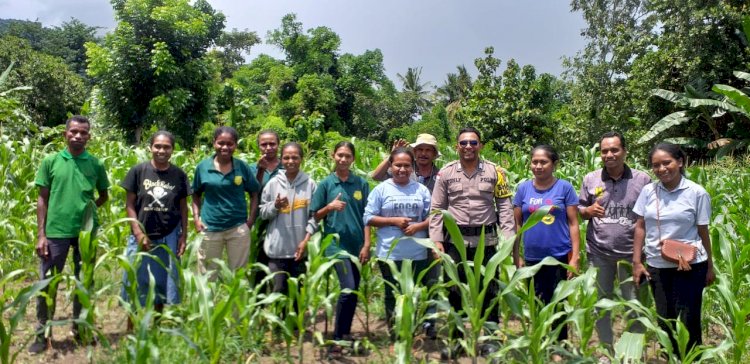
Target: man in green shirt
<point>66,182</point>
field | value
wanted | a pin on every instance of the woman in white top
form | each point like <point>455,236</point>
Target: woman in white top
<point>679,209</point>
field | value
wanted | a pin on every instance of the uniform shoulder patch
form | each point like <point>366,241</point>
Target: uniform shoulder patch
<point>502,190</point>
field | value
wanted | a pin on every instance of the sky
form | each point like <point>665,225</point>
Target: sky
<point>437,35</point>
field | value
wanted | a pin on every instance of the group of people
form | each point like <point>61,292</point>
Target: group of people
<point>629,216</point>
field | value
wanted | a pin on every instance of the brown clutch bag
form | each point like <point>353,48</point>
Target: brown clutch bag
<point>678,252</point>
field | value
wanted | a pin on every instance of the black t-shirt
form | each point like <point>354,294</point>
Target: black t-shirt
<point>158,194</point>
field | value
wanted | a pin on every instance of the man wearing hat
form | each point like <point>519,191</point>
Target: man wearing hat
<point>425,153</point>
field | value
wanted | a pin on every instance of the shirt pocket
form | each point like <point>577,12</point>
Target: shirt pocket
<point>455,189</point>
<point>486,188</point>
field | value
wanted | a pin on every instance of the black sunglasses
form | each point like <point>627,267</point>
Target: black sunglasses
<point>473,143</point>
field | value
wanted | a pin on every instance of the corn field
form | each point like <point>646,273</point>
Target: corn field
<point>237,319</point>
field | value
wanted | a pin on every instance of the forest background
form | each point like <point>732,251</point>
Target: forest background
<point>653,70</point>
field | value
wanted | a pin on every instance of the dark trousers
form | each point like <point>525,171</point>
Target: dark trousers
<point>545,282</point>
<point>286,267</point>
<point>679,294</point>
<point>390,301</point>
<point>54,264</point>
<point>454,293</point>
<point>348,278</point>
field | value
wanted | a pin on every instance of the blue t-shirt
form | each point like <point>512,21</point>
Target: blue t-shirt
<point>388,199</point>
<point>551,236</point>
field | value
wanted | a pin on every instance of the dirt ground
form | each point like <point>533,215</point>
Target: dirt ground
<point>112,323</point>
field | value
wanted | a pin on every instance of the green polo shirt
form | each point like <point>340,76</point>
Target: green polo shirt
<point>224,203</point>
<point>267,175</point>
<point>347,223</point>
<point>71,182</point>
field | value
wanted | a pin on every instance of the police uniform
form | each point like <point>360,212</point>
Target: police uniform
<point>477,201</point>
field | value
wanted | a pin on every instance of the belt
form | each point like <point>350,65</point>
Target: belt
<point>476,230</point>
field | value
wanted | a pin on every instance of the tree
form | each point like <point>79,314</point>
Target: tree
<point>153,69</point>
<point>66,41</point>
<point>513,110</point>
<point>637,45</point>
<point>56,90</point>
<point>233,45</point>
<point>415,92</point>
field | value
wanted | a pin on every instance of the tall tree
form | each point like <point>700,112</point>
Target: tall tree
<point>153,69</point>
<point>416,93</point>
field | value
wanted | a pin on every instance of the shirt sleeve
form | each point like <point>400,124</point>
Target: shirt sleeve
<point>571,199</point>
<point>251,183</point>
<point>503,205</point>
<point>374,204</point>
<point>703,208</point>
<point>439,202</point>
<point>518,198</point>
<point>640,204</point>
<point>426,202</point>
<point>319,199</point>
<point>129,182</point>
<point>583,197</point>
<point>268,203</point>
<point>102,181</point>
<point>312,225</point>
<point>43,178</point>
<point>197,183</point>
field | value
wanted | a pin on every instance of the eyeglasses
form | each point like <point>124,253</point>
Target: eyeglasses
<point>473,143</point>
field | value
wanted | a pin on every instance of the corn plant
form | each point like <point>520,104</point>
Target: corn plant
<point>13,309</point>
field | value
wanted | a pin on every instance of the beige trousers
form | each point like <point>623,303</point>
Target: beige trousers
<point>237,243</point>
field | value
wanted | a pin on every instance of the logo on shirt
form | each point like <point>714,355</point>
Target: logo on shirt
<point>599,191</point>
<point>357,195</point>
<point>158,190</point>
<point>238,180</point>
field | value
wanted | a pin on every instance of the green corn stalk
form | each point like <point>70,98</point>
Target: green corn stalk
<point>14,308</point>
<point>307,293</point>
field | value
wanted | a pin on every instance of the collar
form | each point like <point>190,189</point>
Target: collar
<point>338,180</point>
<point>480,166</point>
<point>66,154</point>
<point>433,171</point>
<point>627,173</point>
<point>235,165</point>
<point>681,186</point>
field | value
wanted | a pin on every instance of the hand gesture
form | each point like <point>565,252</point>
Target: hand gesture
<point>337,204</point>
<point>364,254</point>
<point>399,143</point>
<point>439,248</point>
<point>198,225</point>
<point>181,243</point>
<point>143,242</point>
<point>595,210</point>
<point>281,202</point>
<point>573,263</point>
<point>42,249</point>
<point>400,222</point>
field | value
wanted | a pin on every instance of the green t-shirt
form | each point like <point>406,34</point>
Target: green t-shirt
<point>347,223</point>
<point>71,182</point>
<point>224,203</point>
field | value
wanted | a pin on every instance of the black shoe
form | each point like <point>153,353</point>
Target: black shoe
<point>40,345</point>
<point>430,330</point>
<point>451,352</point>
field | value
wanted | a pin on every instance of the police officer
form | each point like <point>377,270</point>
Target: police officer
<point>476,193</point>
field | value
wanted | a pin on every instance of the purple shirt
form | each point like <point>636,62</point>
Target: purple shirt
<point>611,236</point>
<point>551,236</point>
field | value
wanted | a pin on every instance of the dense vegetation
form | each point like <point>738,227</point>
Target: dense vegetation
<point>652,69</point>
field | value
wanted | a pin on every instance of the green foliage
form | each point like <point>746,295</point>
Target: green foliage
<point>513,109</point>
<point>56,91</point>
<point>153,69</point>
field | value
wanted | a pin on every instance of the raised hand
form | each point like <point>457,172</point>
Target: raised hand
<point>337,204</point>
<point>281,202</point>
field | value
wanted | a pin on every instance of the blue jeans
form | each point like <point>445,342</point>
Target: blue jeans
<point>166,286</point>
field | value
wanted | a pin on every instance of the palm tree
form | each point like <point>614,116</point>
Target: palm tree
<point>415,91</point>
<point>455,90</point>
